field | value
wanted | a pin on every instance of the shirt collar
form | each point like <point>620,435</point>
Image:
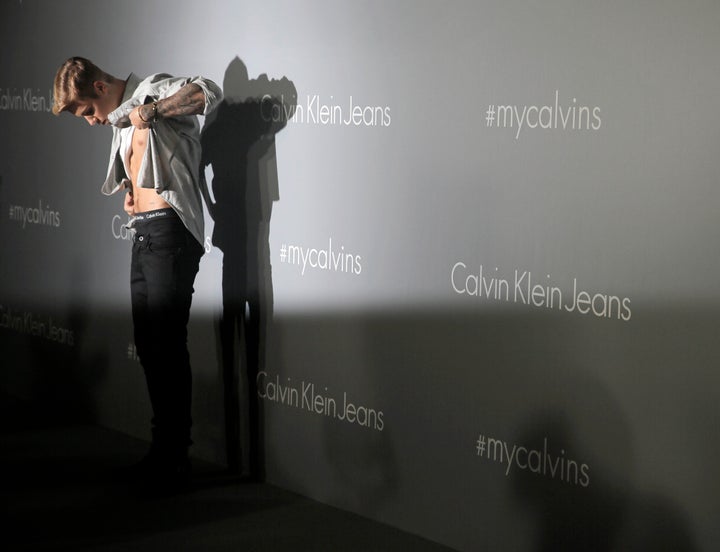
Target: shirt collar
<point>131,84</point>
<point>120,117</point>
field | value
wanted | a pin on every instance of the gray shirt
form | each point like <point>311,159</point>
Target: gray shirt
<point>171,162</point>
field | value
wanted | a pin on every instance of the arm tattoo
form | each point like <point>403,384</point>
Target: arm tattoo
<point>189,100</point>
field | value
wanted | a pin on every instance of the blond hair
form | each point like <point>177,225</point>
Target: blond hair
<point>75,80</point>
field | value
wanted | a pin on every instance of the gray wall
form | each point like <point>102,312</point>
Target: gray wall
<point>407,224</point>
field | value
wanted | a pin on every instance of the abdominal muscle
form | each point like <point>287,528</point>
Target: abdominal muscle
<point>143,199</point>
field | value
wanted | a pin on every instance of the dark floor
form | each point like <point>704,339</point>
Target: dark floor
<point>58,493</point>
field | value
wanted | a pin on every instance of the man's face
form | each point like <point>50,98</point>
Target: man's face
<point>95,110</point>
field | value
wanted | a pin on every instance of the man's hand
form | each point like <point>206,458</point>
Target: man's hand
<point>129,203</point>
<point>144,121</point>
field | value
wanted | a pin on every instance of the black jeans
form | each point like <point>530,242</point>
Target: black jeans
<point>165,261</point>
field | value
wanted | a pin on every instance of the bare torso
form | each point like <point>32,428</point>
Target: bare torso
<point>143,199</point>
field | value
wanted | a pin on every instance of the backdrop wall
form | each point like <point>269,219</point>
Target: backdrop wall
<point>474,247</point>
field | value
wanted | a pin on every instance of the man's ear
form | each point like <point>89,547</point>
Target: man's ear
<point>100,87</point>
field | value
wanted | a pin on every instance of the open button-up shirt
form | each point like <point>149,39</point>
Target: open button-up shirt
<point>171,162</point>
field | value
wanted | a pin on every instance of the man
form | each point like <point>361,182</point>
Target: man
<point>155,158</point>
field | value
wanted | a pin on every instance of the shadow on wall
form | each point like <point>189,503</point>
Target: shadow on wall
<point>604,516</point>
<point>50,359</point>
<point>238,142</point>
<point>439,377</point>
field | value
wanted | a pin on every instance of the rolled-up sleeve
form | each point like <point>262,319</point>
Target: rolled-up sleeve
<point>160,86</point>
<point>213,93</point>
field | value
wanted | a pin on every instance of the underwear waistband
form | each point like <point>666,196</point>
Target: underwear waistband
<point>152,215</point>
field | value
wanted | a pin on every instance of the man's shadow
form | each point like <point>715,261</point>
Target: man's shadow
<point>238,142</point>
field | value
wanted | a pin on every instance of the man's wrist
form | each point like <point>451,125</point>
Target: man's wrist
<point>154,115</point>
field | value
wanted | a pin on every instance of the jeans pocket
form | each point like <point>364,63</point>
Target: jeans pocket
<point>166,251</point>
